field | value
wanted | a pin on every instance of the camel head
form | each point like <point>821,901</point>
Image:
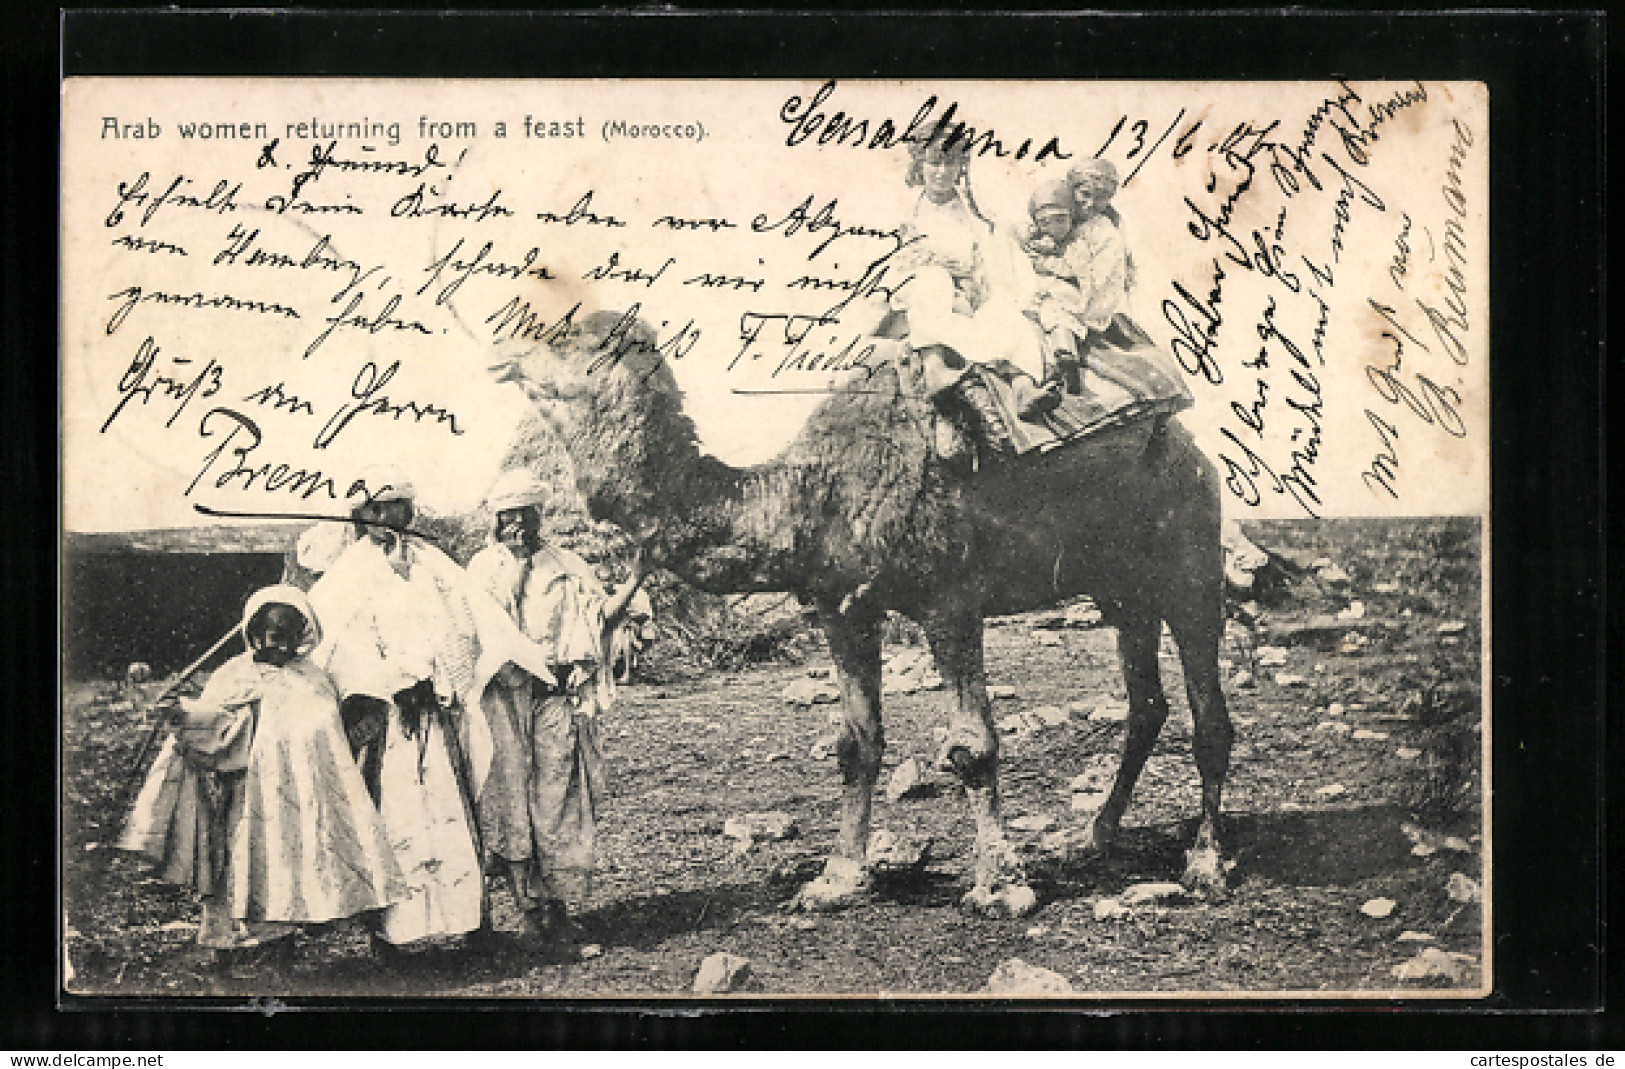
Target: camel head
<point>604,390</point>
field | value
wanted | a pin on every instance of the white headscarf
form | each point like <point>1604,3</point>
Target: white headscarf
<point>516,488</point>
<point>294,598</point>
<point>387,482</point>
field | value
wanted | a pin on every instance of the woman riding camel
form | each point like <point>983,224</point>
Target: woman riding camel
<point>964,302</point>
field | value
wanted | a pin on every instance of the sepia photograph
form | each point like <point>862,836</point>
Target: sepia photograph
<point>589,539</point>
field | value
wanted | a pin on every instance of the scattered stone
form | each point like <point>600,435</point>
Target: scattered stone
<point>908,780</point>
<point>1242,559</point>
<point>1243,679</point>
<point>177,926</point>
<point>1097,778</point>
<point>720,974</point>
<point>1016,977</point>
<point>1385,587</point>
<point>1109,908</point>
<point>1037,931</point>
<point>1012,900</point>
<point>1367,735</point>
<point>1015,724</point>
<point>590,951</point>
<point>1049,715</point>
<point>1287,679</point>
<point>1083,615</point>
<point>1353,645</point>
<point>1331,575</point>
<point>1001,690</point>
<point>1271,656</point>
<point>1331,790</point>
<point>1333,725</point>
<point>889,851</point>
<point>752,828</point>
<point>930,680</point>
<point>803,924</point>
<point>1244,721</point>
<point>138,672</point>
<point>810,692</point>
<point>1079,710</point>
<point>823,748</point>
<point>1456,843</point>
<point>776,755</point>
<point>1355,611</point>
<point>1407,753</point>
<point>1032,822</point>
<point>1154,893</point>
<point>1452,627</point>
<point>1335,709</point>
<point>1057,842</point>
<point>1424,850</point>
<point>1436,964</point>
<point>1110,711</point>
<point>1463,888</point>
<point>1409,936</point>
<point>1378,907</point>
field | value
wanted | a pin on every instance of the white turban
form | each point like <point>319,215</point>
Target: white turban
<point>386,482</point>
<point>295,599</point>
<point>515,489</point>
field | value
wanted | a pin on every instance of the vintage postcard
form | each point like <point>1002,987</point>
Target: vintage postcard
<point>580,539</point>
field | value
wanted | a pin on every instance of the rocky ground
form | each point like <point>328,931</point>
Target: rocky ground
<point>1353,806</point>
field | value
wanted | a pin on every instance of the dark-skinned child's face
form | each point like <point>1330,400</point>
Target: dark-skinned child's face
<point>274,633</point>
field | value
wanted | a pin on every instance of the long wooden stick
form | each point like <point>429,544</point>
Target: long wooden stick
<point>126,795</point>
<point>136,770</point>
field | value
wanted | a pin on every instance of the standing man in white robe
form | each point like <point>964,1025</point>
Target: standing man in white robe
<point>539,807</point>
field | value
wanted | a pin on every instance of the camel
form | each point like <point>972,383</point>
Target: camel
<point>859,514</point>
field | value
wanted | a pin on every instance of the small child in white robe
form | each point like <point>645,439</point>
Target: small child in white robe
<point>255,800</point>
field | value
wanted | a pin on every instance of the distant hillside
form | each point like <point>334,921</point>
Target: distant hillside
<point>221,538</point>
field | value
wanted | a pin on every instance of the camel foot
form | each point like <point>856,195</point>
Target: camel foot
<point>1206,872</point>
<point>843,883</point>
<point>1013,900</point>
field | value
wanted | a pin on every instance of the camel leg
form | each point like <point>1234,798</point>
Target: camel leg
<point>854,643</point>
<point>972,751</point>
<point>1138,634</point>
<point>1198,629</point>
